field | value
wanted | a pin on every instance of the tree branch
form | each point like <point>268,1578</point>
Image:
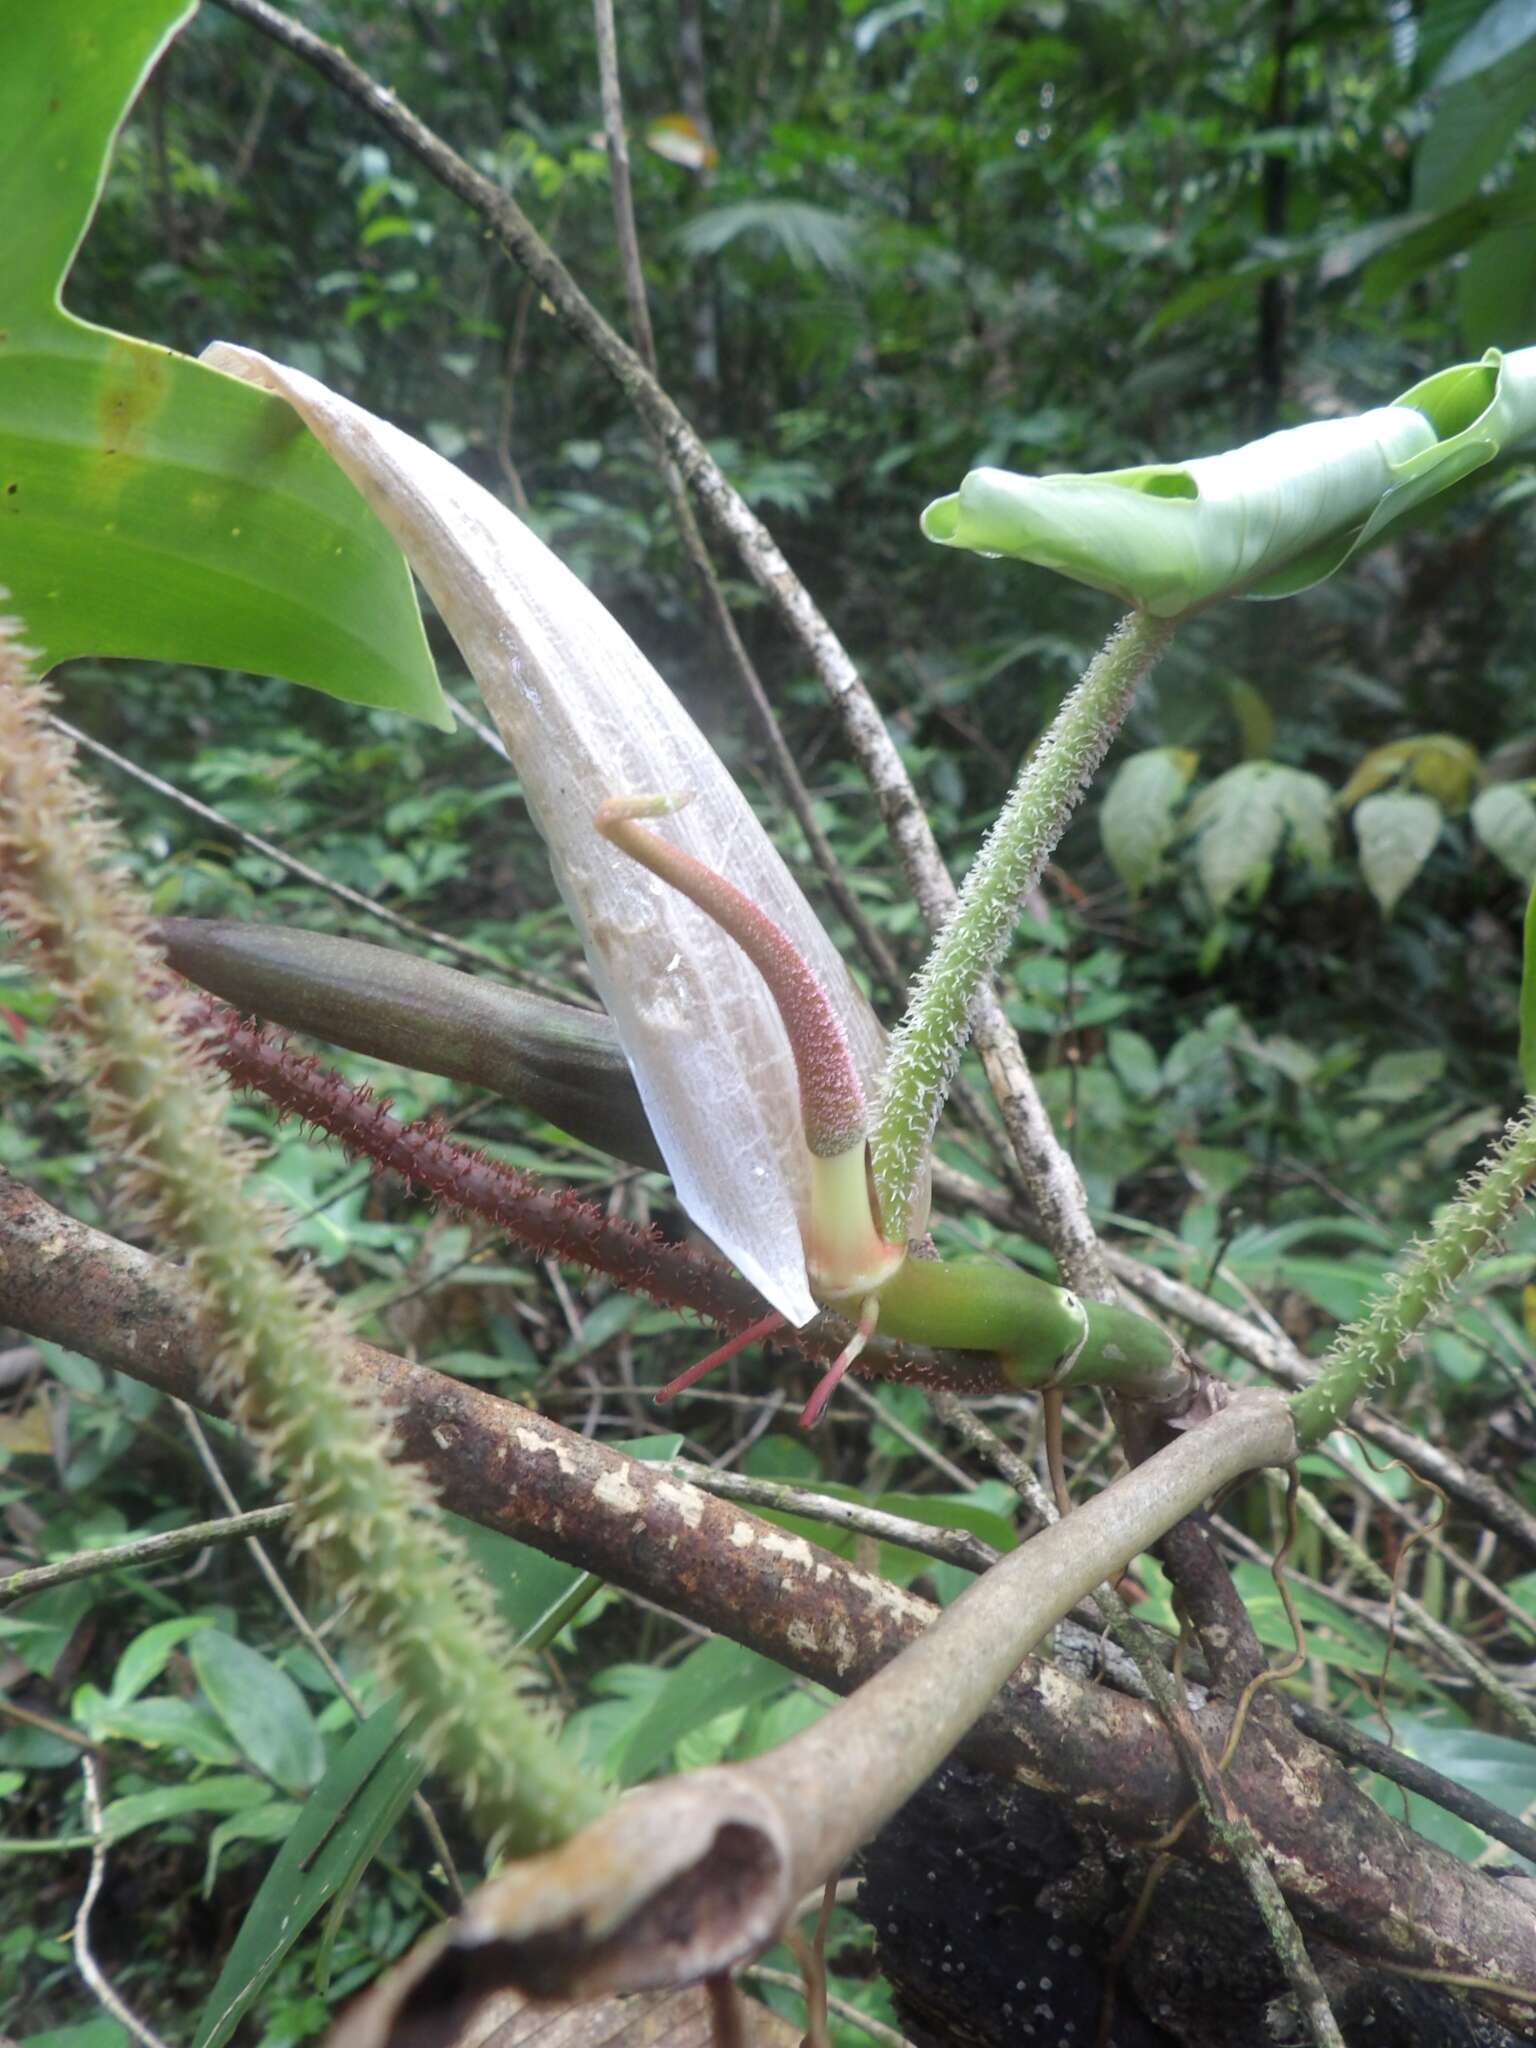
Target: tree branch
<point>1351,1869</point>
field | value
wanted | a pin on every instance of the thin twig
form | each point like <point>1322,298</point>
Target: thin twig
<point>887,1419</point>
<point>949,1546</point>
<point>474,956</point>
<point>877,2030</point>
<point>1516,1617</point>
<point>109,1999</point>
<point>982,1438</point>
<point>1451,1646</point>
<point>623,190</point>
<point>29,1717</point>
<point>1280,1359</point>
<point>726,2028</point>
<point>141,1550</point>
<point>1356,1747</point>
<point>875,950</point>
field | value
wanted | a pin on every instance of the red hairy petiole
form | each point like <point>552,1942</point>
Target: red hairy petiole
<point>826,1386</point>
<point>763,1328</point>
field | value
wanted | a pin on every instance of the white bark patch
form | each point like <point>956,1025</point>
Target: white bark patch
<point>688,1501</point>
<point>840,1643</point>
<point>743,1535</point>
<point>532,1441</point>
<point>1302,1788</point>
<point>793,1549</point>
<point>616,1490</point>
<point>889,1599</point>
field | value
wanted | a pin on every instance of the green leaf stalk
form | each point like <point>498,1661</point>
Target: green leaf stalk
<point>927,1046</point>
<point>372,1524</point>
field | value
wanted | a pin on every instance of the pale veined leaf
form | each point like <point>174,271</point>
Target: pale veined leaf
<point>1241,823</point>
<point>1504,819</point>
<point>1137,821</point>
<point>1396,830</point>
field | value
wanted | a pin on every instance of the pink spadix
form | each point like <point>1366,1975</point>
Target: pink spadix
<point>831,1100</point>
<point>763,1327</point>
<point>846,1252</point>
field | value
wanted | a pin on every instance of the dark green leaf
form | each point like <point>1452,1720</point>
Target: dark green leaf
<point>123,1817</point>
<point>149,506</point>
<point>261,1707</point>
<point>344,1820</point>
<point>712,1680</point>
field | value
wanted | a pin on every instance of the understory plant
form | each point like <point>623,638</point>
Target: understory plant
<point>739,1052</point>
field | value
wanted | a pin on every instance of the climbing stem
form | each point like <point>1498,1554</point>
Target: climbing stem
<point>369,1521</point>
<point>927,1047</point>
<point>1367,1351</point>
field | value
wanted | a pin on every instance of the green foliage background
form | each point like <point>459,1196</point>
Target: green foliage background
<point>936,236</point>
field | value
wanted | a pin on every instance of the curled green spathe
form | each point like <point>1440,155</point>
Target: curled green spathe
<point>1264,520</point>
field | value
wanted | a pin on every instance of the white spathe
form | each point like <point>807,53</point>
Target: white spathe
<point>585,716</point>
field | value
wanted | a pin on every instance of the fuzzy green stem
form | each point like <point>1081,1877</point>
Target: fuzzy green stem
<point>1043,1336</point>
<point>1467,1228</point>
<point>927,1047</point>
<point>371,1522</point>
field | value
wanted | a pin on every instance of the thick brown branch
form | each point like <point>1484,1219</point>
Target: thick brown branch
<point>1344,1863</point>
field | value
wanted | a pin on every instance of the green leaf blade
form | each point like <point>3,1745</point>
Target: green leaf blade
<point>1504,819</point>
<point>1265,520</point>
<point>1137,822</point>
<point>69,76</point>
<point>150,507</point>
<point>261,1707</point>
<point>344,1820</point>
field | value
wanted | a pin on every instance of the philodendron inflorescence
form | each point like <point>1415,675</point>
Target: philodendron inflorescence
<point>755,1054</point>
<point>756,1090</point>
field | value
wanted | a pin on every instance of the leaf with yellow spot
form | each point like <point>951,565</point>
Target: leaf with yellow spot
<point>27,1434</point>
<point>149,507</point>
<point>1438,763</point>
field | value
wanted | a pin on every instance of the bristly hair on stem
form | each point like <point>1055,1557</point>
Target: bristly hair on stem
<point>371,1523</point>
<point>551,1220</point>
<point>927,1046</point>
<point>1466,1229</point>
